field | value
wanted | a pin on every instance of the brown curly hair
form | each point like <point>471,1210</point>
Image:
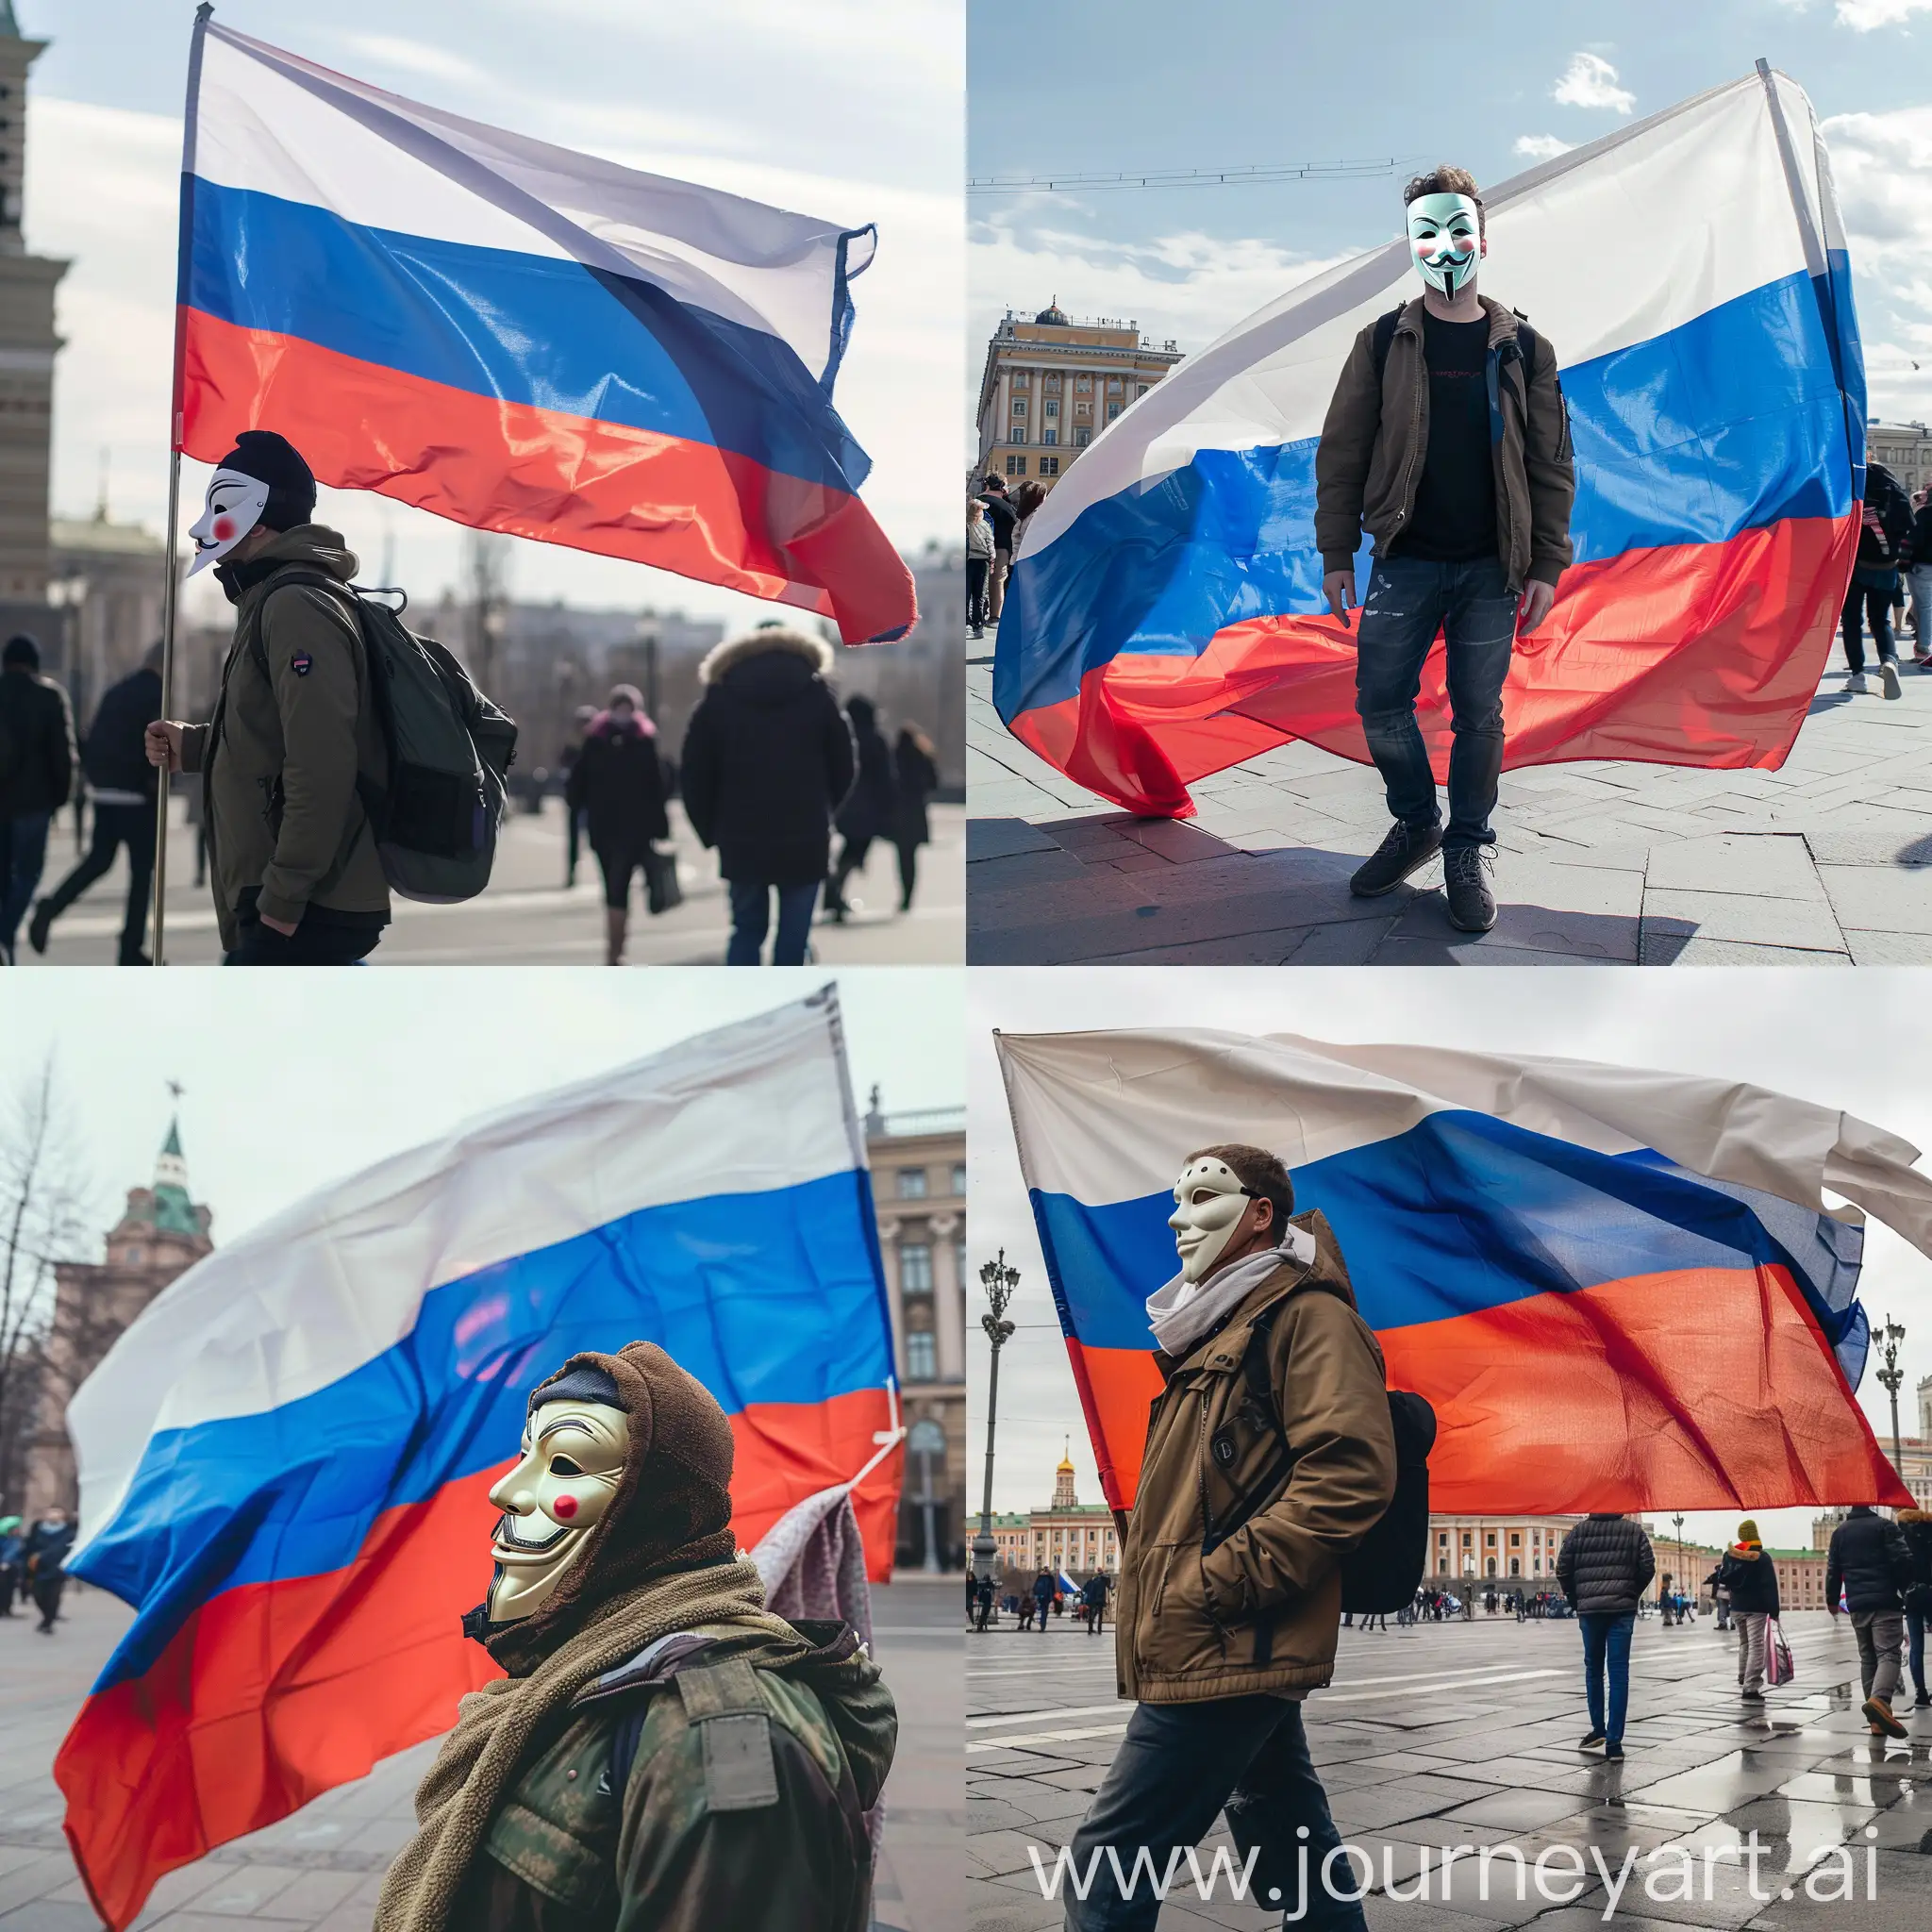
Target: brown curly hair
<point>1448,180</point>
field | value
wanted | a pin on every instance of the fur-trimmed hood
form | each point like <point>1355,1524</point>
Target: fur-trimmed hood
<point>756,643</point>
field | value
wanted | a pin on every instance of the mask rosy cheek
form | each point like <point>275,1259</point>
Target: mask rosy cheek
<point>224,528</point>
<point>564,1509</point>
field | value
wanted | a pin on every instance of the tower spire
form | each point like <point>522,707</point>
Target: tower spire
<point>173,1210</point>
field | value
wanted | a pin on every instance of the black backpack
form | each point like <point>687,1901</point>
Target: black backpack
<point>1384,1571</point>
<point>448,748</point>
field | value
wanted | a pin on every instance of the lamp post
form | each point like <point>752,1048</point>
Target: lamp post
<point>1892,1375</point>
<point>999,1282</point>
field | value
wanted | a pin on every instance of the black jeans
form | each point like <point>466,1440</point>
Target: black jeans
<point>1875,605</point>
<point>132,826</point>
<point>1410,600</point>
<point>46,1593</point>
<point>310,945</point>
<point>977,570</point>
<point>1178,1765</point>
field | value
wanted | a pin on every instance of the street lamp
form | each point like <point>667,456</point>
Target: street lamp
<point>999,1282</point>
<point>1892,1375</point>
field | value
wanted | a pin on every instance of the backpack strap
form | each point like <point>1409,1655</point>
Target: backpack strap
<point>295,573</point>
<point>1383,337</point>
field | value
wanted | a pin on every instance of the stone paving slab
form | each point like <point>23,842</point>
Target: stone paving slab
<point>1826,861</point>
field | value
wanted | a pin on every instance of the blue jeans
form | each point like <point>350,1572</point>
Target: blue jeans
<point>1606,1642</point>
<point>751,912</point>
<point>1178,1765</point>
<point>1410,600</point>
<point>23,859</point>
<point>1917,1611</point>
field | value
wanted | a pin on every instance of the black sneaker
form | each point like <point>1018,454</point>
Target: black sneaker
<point>39,927</point>
<point>1590,1742</point>
<point>1471,904</point>
<point>1613,1749</point>
<point>1406,849</point>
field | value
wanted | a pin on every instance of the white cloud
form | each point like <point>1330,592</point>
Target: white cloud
<point>1863,15</point>
<point>1591,82</point>
<point>416,59</point>
<point>1541,147</point>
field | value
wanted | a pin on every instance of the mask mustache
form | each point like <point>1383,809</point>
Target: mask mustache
<point>507,1539</point>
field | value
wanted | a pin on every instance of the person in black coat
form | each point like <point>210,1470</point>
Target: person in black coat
<point>618,784</point>
<point>1000,513</point>
<point>768,760</point>
<point>1603,1567</point>
<point>915,778</point>
<point>37,763</point>
<point>1750,1577</point>
<point>127,789</point>
<point>47,1545</point>
<point>1915,1525</point>
<point>871,807</point>
<point>1871,1562</point>
<point>1884,536</point>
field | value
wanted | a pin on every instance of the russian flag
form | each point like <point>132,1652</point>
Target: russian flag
<point>520,337</point>
<point>285,1460</point>
<point>1621,1290</point>
<point>1165,617</point>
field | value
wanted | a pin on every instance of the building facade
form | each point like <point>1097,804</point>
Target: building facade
<point>1052,385</point>
<point>1904,448</point>
<point>918,1163</point>
<point>1508,1550</point>
<point>1067,1535</point>
<point>109,578</point>
<point>161,1233</point>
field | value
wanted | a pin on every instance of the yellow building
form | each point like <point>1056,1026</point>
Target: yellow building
<point>1505,1550</point>
<point>1067,1535</point>
<point>1052,385</point>
<point>1904,448</point>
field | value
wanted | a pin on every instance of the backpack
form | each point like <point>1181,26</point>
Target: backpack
<point>1385,1570</point>
<point>448,748</point>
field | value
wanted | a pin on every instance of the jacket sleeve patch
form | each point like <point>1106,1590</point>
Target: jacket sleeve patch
<point>302,663</point>
<point>740,1774</point>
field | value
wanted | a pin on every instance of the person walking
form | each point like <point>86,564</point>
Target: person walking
<point>871,807</point>
<point>979,566</point>
<point>915,778</point>
<point>617,783</point>
<point>37,760</point>
<point>291,856</point>
<point>984,1597</point>
<point>126,791</point>
<point>1917,562</point>
<point>1915,1525</point>
<point>1750,1577</point>
<point>581,721</point>
<point>1448,442</point>
<point>1026,1611</point>
<point>1218,1637</point>
<point>47,1545</point>
<point>1042,1598</point>
<point>1885,531</point>
<point>13,1554</point>
<point>1603,1567</point>
<point>1870,1561</point>
<point>1094,1595</point>
<point>1001,514</point>
<point>768,758</point>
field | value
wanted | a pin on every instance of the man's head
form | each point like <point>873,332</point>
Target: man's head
<point>995,483</point>
<point>22,653</point>
<point>260,489</point>
<point>625,702</point>
<point>1448,232</point>
<point>55,1518</point>
<point>975,510</point>
<point>1229,1201</point>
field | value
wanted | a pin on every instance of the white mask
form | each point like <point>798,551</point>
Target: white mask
<point>1445,238</point>
<point>573,1461</point>
<point>233,507</point>
<point>1210,1200</point>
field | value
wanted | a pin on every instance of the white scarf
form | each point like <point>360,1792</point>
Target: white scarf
<point>1183,1311</point>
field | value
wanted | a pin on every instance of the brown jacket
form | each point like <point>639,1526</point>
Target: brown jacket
<point>280,756</point>
<point>1370,460</point>
<point>1207,1611</point>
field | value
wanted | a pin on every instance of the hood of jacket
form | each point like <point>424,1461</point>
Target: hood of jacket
<point>813,656</point>
<point>314,544</point>
<point>1907,1516</point>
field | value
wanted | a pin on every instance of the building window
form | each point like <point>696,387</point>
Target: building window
<point>1516,1566</point>
<point>1019,406</point>
<point>1466,1539</point>
<point>1083,408</point>
<point>130,1258</point>
<point>921,1364</point>
<point>959,1178</point>
<point>1488,1540</point>
<point>1081,437</point>
<point>1113,385</point>
<point>1019,435</point>
<point>1489,1566</point>
<point>1016,466</point>
<point>1051,406</point>
<point>1083,385</point>
<point>1442,1539</point>
<point>1141,390</point>
<point>1049,436</point>
<point>912,1184</point>
<point>1049,381</point>
<point>1515,1539</point>
<point>1113,409</point>
<point>1049,466</point>
<point>1022,378</point>
<point>915,1268</point>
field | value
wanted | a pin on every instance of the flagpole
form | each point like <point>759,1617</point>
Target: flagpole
<point>164,788</point>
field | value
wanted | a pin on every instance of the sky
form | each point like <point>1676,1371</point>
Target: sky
<point>1250,82</point>
<point>1868,1055</point>
<point>762,101</point>
<point>303,1079</point>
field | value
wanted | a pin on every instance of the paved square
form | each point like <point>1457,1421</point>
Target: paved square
<point>1827,862</point>
<point>321,1869</point>
<point>1465,1734</point>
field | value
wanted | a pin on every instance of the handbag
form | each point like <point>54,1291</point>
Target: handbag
<point>1780,1667</point>
<point>661,889</point>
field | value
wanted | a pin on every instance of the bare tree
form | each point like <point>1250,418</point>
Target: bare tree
<point>44,1200</point>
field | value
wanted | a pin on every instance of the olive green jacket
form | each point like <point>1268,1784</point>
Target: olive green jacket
<point>279,758</point>
<point>1369,463</point>
<point>744,1806</point>
<point>1231,1580</point>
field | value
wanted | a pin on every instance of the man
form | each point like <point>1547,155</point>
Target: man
<point>1001,514</point>
<point>664,1752</point>
<point>1094,1594</point>
<point>1751,1578</point>
<point>47,1545</point>
<point>1870,1561</point>
<point>1229,1603</point>
<point>297,881</point>
<point>617,783</point>
<point>1603,1567</point>
<point>1918,562</point>
<point>982,1596</point>
<point>35,777</point>
<point>1915,1525</point>
<point>1042,1598</point>
<point>1448,442</point>
<point>126,789</point>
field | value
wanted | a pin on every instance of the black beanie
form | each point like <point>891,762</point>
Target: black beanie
<point>21,649</point>
<point>275,460</point>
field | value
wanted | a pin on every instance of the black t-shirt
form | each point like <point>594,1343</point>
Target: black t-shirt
<point>1001,514</point>
<point>1455,515</point>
